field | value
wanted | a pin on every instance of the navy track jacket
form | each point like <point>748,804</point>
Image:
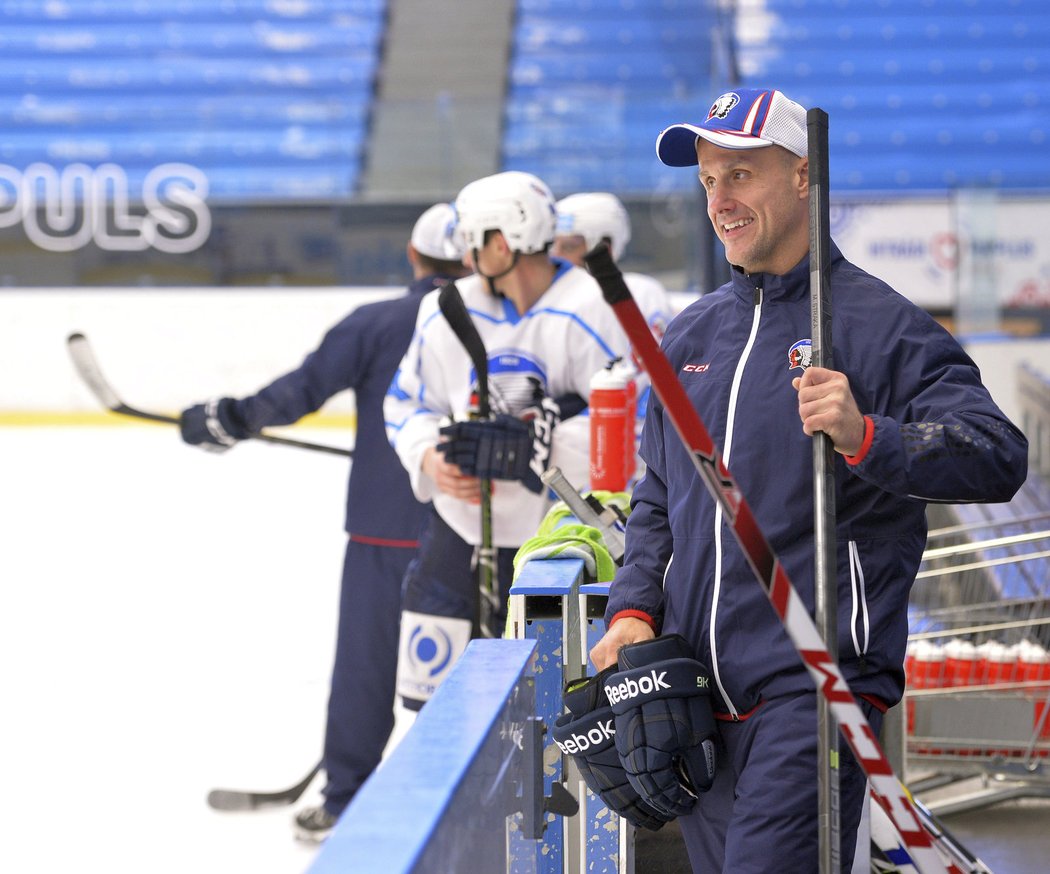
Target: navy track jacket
<point>362,353</point>
<point>934,434</point>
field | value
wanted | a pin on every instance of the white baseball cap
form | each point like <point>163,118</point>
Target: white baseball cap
<point>435,236</point>
<point>746,118</point>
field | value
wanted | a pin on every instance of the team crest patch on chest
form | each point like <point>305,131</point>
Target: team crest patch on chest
<point>800,354</point>
<point>516,380</point>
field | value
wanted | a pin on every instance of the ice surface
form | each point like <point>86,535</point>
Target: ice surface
<point>167,626</point>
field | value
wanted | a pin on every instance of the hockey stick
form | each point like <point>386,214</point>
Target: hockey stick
<point>824,580</point>
<point>896,857</point>
<point>587,511</point>
<point>455,313</point>
<point>238,799</point>
<point>87,366</point>
<point>785,600</point>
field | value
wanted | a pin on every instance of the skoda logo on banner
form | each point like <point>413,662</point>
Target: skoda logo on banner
<point>65,209</point>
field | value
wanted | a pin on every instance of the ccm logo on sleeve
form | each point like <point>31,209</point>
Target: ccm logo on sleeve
<point>696,368</point>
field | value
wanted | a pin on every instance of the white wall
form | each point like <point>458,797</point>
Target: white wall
<point>162,349</point>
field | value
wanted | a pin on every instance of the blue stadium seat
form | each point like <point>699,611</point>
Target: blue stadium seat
<point>101,11</point>
<point>652,69</point>
<point>274,97</point>
<point>919,98</point>
<point>258,76</point>
<point>587,10</point>
<point>239,39</point>
<point>592,83</point>
<point>59,112</point>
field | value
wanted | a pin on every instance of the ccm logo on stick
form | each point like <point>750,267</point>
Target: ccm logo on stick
<point>633,688</point>
<point>602,733</point>
<point>696,368</point>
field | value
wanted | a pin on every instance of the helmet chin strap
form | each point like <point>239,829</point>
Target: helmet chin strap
<point>491,278</point>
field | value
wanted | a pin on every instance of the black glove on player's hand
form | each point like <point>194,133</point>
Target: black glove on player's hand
<point>587,734</point>
<point>504,447</point>
<point>498,448</point>
<point>213,425</point>
<point>665,728</point>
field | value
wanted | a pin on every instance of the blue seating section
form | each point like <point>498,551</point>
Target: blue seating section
<point>922,95</point>
<point>592,83</point>
<point>269,98</point>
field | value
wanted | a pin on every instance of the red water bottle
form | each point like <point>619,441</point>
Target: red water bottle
<point>629,373</point>
<point>610,406</point>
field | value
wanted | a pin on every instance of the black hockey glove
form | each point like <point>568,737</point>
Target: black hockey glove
<point>665,728</point>
<point>213,425</point>
<point>498,448</point>
<point>587,734</point>
<point>504,447</point>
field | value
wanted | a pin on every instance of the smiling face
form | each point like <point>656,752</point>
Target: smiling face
<point>758,203</point>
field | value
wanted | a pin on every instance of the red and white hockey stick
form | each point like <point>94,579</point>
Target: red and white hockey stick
<point>886,788</point>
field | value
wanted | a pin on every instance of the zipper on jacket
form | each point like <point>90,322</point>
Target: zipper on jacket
<point>726,451</point>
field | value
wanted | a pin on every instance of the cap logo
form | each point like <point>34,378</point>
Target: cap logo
<point>800,354</point>
<point>723,106</point>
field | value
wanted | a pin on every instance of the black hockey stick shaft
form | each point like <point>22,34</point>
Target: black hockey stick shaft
<point>825,577</point>
<point>244,799</point>
<point>87,366</point>
<point>768,571</point>
<point>452,307</point>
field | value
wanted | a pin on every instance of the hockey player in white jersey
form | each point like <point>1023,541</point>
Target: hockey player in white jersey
<point>593,217</point>
<point>589,218</point>
<point>546,331</point>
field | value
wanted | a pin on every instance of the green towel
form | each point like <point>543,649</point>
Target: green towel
<point>571,540</point>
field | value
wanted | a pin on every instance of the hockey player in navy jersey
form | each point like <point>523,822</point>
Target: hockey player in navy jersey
<point>383,517</point>
<point>546,331</point>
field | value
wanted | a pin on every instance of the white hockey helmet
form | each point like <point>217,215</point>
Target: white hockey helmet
<point>434,234</point>
<point>595,215</point>
<point>518,204</point>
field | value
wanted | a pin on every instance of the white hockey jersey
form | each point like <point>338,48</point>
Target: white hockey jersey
<point>652,299</point>
<point>560,343</point>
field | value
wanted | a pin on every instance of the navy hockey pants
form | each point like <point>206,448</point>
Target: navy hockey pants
<point>361,700</point>
<point>761,813</point>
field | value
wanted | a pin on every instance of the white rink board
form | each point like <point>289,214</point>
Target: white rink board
<point>163,348</point>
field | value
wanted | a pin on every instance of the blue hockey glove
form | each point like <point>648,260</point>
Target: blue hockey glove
<point>213,425</point>
<point>587,734</point>
<point>665,727</point>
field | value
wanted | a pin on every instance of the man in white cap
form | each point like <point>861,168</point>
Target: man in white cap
<point>910,421</point>
<point>383,518</point>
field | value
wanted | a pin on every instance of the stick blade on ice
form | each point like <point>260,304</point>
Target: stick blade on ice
<point>241,799</point>
<point>87,366</point>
